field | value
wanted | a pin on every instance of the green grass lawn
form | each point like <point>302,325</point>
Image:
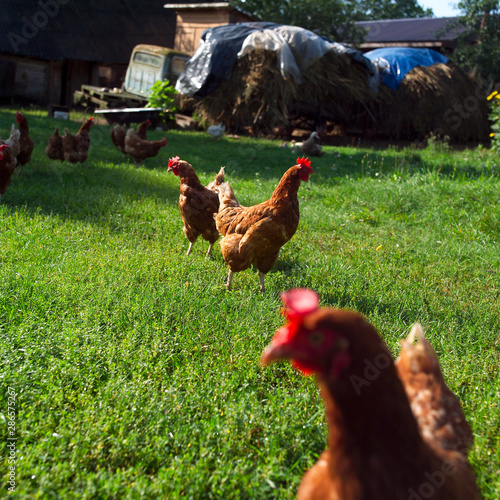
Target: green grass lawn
<point>137,374</point>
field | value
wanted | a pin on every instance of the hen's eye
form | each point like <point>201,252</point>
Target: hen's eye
<point>316,338</point>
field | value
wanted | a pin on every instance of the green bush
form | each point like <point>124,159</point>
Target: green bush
<point>163,96</point>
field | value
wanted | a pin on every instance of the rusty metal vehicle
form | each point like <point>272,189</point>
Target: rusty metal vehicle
<point>148,64</point>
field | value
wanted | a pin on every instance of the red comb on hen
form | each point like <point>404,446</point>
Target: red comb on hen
<point>173,161</point>
<point>299,302</point>
<point>304,162</point>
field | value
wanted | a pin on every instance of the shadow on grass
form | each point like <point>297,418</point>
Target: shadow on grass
<point>251,158</point>
<point>88,191</point>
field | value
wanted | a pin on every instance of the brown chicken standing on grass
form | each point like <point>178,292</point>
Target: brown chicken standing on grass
<point>197,203</point>
<point>7,167</point>
<point>25,141</point>
<point>76,147</point>
<point>118,134</point>
<point>54,149</point>
<point>379,446</point>
<point>255,235</point>
<point>140,149</point>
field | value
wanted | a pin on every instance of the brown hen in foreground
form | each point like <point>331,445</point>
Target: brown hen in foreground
<point>255,235</point>
<point>76,147</point>
<point>376,448</point>
<point>197,203</point>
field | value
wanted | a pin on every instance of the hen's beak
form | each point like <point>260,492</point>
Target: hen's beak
<point>279,348</point>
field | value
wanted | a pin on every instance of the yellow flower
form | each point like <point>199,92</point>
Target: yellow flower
<point>492,134</point>
<point>378,248</point>
<point>490,97</point>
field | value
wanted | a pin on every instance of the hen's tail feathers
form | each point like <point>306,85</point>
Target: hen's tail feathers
<point>437,409</point>
<point>226,197</point>
<point>219,178</point>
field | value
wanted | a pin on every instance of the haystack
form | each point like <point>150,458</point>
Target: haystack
<point>439,100</point>
<point>258,98</point>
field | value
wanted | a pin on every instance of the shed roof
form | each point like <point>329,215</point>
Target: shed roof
<point>419,32</point>
<point>93,30</point>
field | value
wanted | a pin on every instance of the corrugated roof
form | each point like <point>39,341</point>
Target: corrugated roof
<point>90,30</point>
<point>419,30</point>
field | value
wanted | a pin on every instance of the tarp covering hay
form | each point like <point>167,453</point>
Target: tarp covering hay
<point>257,97</point>
<point>239,77</point>
<point>439,100</point>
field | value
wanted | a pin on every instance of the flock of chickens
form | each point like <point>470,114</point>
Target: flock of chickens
<point>395,430</point>
<point>17,149</point>
<point>250,235</point>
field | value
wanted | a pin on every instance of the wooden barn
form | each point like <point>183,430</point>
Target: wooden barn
<point>49,48</point>
<point>195,17</point>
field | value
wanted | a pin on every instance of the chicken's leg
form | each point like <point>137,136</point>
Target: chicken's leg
<point>209,249</point>
<point>261,279</point>
<point>190,247</point>
<point>229,279</point>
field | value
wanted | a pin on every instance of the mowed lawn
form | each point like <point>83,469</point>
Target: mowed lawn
<point>137,374</point>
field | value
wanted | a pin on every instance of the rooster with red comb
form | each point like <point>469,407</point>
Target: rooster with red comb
<point>255,235</point>
<point>379,445</point>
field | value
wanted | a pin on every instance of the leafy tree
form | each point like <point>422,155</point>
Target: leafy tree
<point>332,18</point>
<point>481,20</point>
<point>321,16</point>
<point>390,9</point>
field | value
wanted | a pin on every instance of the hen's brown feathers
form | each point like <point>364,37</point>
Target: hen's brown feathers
<point>379,446</point>
<point>437,410</point>
<point>198,204</point>
<point>255,235</point>
<point>7,167</point>
<point>54,149</point>
<point>140,149</point>
<point>76,147</point>
<point>25,141</point>
<point>118,134</point>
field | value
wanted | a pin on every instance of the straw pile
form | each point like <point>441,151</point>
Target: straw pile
<point>259,99</point>
<point>440,100</point>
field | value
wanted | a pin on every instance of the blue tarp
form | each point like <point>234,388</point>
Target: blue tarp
<point>395,62</point>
